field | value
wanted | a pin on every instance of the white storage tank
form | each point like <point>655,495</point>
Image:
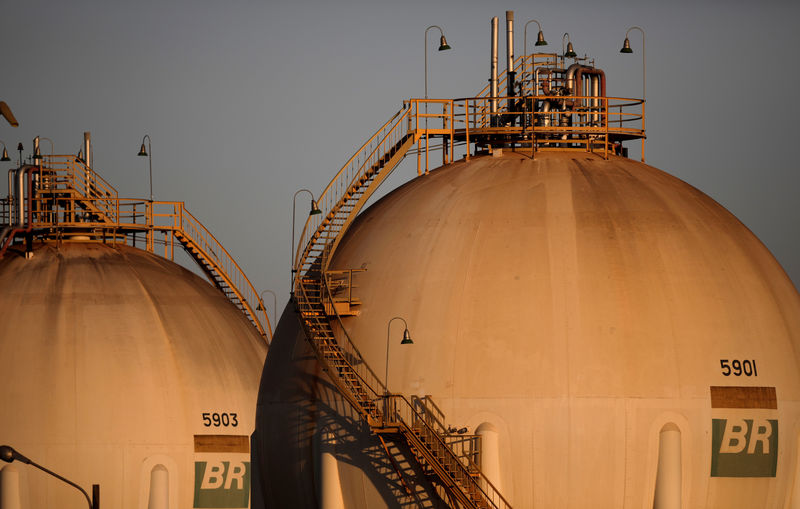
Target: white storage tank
<point>616,337</point>
<point>123,369</point>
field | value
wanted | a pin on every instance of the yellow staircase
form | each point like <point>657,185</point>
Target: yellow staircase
<point>457,475</point>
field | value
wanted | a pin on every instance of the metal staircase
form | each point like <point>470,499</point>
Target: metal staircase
<point>457,475</point>
<point>65,198</point>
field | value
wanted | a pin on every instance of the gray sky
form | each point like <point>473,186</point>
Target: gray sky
<point>247,101</point>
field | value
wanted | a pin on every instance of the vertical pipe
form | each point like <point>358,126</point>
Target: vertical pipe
<point>87,148</point>
<point>493,74</point>
<point>95,496</point>
<point>510,74</point>
<point>595,98</point>
<point>668,477</point>
<point>10,197</point>
<point>21,196</point>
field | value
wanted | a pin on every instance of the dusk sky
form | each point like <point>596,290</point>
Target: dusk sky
<point>248,101</point>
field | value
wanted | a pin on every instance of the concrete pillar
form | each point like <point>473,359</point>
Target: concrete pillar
<point>669,473</point>
<point>159,488</point>
<point>9,488</point>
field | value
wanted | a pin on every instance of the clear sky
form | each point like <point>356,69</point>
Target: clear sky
<point>248,101</point>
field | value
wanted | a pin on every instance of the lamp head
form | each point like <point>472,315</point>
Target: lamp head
<point>142,151</point>
<point>5,155</point>
<point>570,51</point>
<point>443,43</point>
<point>314,209</point>
<point>626,47</point>
<point>406,338</point>
<point>540,40</point>
<point>8,454</point>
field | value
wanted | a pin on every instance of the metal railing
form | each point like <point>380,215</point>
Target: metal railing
<point>71,199</point>
<point>460,467</point>
<point>365,159</point>
<point>454,459</point>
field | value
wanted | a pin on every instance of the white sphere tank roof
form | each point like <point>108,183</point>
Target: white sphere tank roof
<point>111,356</point>
<point>567,275</point>
<point>580,309</point>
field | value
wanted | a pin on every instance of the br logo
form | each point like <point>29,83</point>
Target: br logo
<point>221,484</point>
<point>221,471</point>
<point>745,442</point>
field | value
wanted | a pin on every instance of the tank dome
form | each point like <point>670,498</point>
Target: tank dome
<point>612,333</point>
<point>123,369</point>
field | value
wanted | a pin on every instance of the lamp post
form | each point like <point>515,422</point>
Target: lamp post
<point>274,305</point>
<point>406,341</point>
<point>569,52</point>
<point>37,154</point>
<point>8,454</point>
<point>314,211</point>
<point>539,39</point>
<point>626,48</point>
<point>149,154</point>
<point>442,46</point>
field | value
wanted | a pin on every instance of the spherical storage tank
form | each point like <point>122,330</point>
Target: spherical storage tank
<point>123,369</point>
<point>615,337</point>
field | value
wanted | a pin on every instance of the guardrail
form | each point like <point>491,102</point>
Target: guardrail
<point>69,198</point>
<point>364,159</point>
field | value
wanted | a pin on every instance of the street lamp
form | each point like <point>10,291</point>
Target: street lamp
<point>37,153</point>
<point>5,157</point>
<point>313,212</point>
<point>406,341</point>
<point>626,48</point>
<point>8,454</point>
<point>149,154</point>
<point>539,39</point>
<point>442,46</point>
<point>274,305</point>
<point>569,53</point>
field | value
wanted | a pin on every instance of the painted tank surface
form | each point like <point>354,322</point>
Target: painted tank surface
<point>123,369</point>
<point>616,337</point>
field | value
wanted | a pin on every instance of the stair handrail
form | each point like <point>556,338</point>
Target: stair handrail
<point>494,497</point>
<point>329,199</point>
<point>81,179</point>
<point>229,270</point>
<point>468,470</point>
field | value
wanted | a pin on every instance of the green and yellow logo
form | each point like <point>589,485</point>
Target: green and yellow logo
<point>220,484</point>
<point>221,471</point>
<point>744,438</point>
